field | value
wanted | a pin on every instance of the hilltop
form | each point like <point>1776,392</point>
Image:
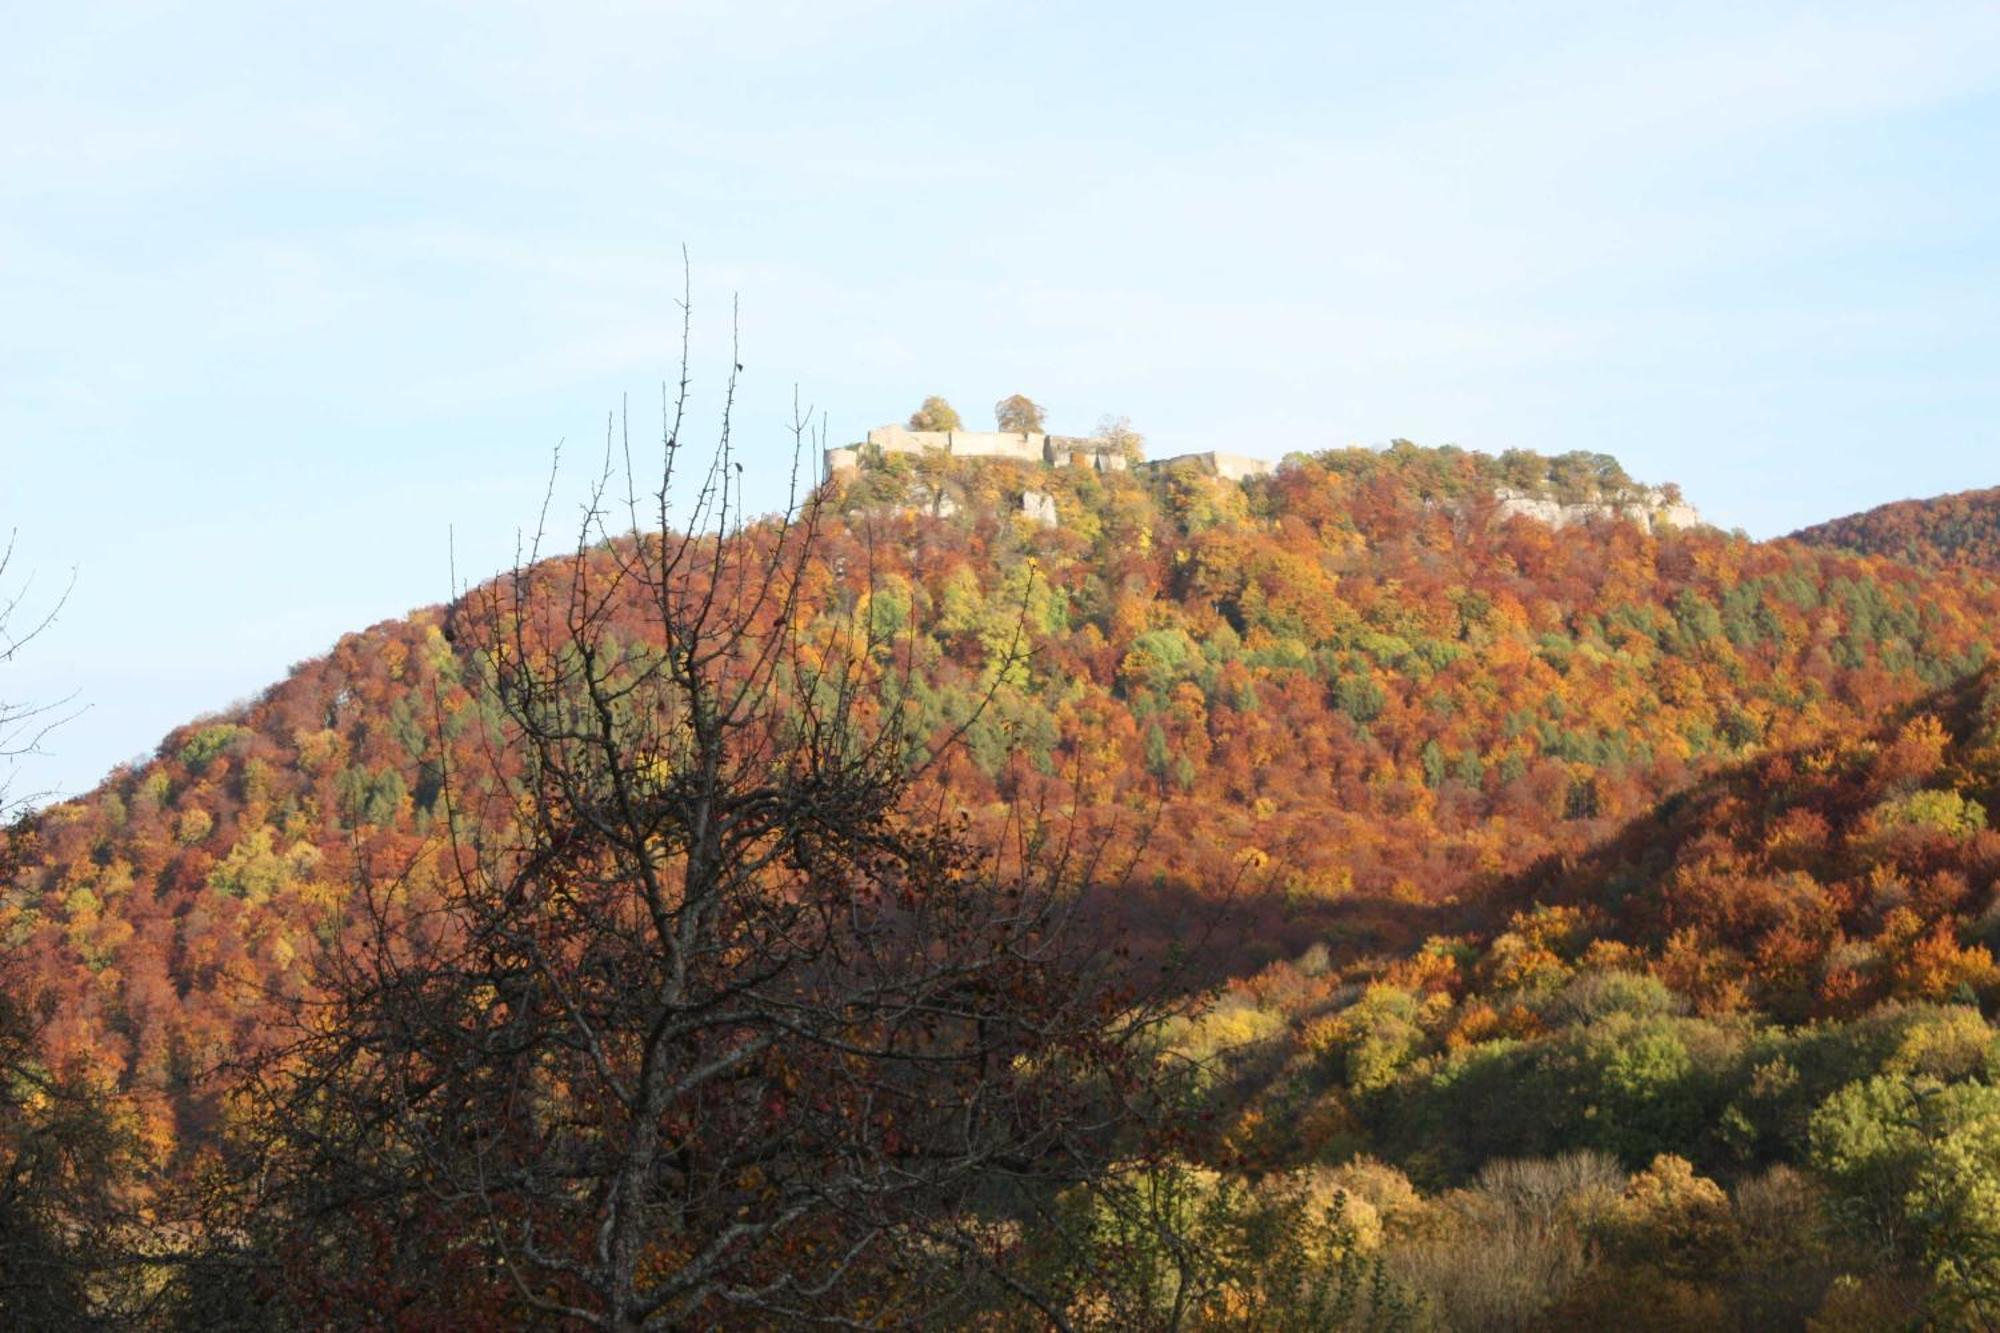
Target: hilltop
<point>926,470</point>
<point>1572,488</point>
<point>1963,529</point>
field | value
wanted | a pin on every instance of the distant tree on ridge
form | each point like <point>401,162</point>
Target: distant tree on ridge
<point>936,414</point>
<point>1018,412</point>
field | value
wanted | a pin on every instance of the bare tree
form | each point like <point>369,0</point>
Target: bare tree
<point>61,1150</point>
<point>23,725</point>
<point>702,1012</point>
<point>1115,435</point>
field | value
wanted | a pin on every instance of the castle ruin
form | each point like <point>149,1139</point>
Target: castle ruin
<point>1214,463</point>
<point>1651,508</point>
<point>1019,446</point>
<point>1082,451</point>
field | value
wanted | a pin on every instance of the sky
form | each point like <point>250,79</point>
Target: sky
<point>296,302</point>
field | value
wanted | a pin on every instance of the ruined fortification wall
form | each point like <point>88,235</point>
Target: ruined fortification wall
<point>1230,467</point>
<point>1085,451</point>
<point>1017,446</point>
<point>1651,508</point>
<point>1022,446</point>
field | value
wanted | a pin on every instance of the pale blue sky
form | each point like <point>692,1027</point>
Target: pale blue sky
<point>286,291</point>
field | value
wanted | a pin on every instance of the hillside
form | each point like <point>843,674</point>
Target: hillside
<point>1494,781</point>
<point>1849,878</point>
<point>1776,978</point>
<point>1962,529</point>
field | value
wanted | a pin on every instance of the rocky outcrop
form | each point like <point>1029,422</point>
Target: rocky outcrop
<point>1041,507</point>
<point>1653,507</point>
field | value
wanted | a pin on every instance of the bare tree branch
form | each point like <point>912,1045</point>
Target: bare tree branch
<point>700,1008</point>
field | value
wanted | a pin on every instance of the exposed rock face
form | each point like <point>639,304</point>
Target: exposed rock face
<point>1041,507</point>
<point>1650,508</point>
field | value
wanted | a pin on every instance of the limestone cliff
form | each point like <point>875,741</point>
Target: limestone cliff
<point>1649,507</point>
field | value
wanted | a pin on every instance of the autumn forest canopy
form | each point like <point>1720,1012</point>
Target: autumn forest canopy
<point>1331,899</point>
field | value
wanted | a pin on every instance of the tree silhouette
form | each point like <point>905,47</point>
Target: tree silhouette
<point>726,1025</point>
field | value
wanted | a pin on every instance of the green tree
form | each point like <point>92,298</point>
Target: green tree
<point>1917,1161</point>
<point>1433,760</point>
<point>1360,696</point>
<point>1168,1246</point>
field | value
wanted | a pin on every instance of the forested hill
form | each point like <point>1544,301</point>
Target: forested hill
<point>1349,683</point>
<point>1769,996</point>
<point>1356,698</point>
<point>1963,528</point>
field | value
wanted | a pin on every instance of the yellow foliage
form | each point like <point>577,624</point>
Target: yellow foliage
<point>1323,884</point>
<point>1918,750</point>
<point>1323,1188</point>
<point>1669,1201</point>
<point>1611,956</point>
<point>193,825</point>
<point>320,751</point>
